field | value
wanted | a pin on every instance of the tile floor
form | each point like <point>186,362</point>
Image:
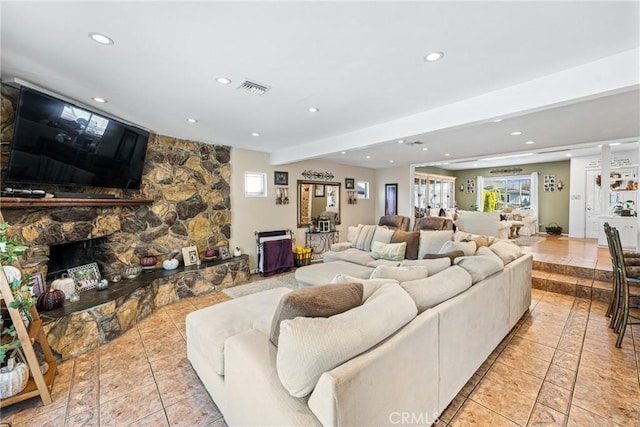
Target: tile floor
<point>558,366</point>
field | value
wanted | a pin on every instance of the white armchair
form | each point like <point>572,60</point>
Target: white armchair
<point>530,221</point>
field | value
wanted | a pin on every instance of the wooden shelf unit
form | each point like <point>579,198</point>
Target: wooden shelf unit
<point>55,202</point>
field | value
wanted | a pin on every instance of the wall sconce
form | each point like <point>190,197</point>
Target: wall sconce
<point>559,185</point>
<point>461,187</point>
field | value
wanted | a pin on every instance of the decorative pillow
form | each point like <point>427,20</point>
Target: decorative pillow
<point>433,290</point>
<point>432,240</point>
<point>316,301</point>
<point>401,274</point>
<point>451,255</point>
<point>363,237</point>
<point>480,241</point>
<point>389,251</point>
<point>369,286</point>
<point>506,250</point>
<point>481,265</point>
<point>352,230</point>
<point>468,248</point>
<point>461,236</point>
<point>383,234</point>
<point>311,346</point>
<point>434,266</point>
<point>412,238</point>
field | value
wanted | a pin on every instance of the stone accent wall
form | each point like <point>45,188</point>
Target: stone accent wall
<point>188,181</point>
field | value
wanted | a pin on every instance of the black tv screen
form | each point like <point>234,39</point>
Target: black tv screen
<point>56,142</point>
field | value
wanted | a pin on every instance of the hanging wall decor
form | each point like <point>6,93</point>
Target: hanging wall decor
<point>549,183</point>
<point>471,186</point>
<point>309,174</point>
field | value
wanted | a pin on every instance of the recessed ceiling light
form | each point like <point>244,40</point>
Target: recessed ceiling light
<point>425,149</point>
<point>192,120</point>
<point>368,157</point>
<point>223,80</point>
<point>100,38</point>
<point>599,145</point>
<point>530,142</point>
<point>568,154</point>
<point>614,143</point>
<point>255,134</point>
<point>313,109</point>
<point>401,141</point>
<point>100,100</point>
<point>516,133</point>
<point>447,154</point>
<point>390,161</point>
<point>434,56</point>
<point>344,152</point>
<point>475,164</point>
<point>497,120</point>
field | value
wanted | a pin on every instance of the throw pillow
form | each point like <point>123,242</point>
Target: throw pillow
<point>369,286</point>
<point>506,250</point>
<point>433,265</point>
<point>482,265</point>
<point>411,238</point>
<point>382,234</point>
<point>401,274</point>
<point>480,241</point>
<point>432,240</point>
<point>451,255</point>
<point>363,237</point>
<point>469,248</point>
<point>315,301</point>
<point>433,290</point>
<point>352,230</point>
<point>388,251</point>
<point>311,346</point>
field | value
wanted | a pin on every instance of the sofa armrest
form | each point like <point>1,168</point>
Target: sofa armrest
<point>341,246</point>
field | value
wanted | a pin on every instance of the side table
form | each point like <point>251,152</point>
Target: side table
<point>320,242</point>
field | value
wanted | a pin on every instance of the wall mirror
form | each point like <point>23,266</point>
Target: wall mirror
<point>316,197</point>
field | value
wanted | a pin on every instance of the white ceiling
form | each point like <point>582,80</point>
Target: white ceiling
<point>563,73</point>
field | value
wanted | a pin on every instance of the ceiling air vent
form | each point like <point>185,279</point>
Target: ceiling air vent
<point>414,143</point>
<point>254,88</point>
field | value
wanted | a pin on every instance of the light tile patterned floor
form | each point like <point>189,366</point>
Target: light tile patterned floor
<point>558,366</point>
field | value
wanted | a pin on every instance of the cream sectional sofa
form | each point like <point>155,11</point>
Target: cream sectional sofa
<point>443,328</point>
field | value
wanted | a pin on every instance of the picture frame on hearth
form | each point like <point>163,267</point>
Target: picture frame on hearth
<point>85,277</point>
<point>37,283</point>
<point>224,252</point>
<point>190,255</point>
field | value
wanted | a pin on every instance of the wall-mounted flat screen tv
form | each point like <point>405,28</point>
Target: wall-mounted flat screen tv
<point>56,142</point>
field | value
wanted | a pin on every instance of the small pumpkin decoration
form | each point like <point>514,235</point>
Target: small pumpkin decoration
<point>148,261</point>
<point>50,300</point>
<point>170,264</point>
<point>13,378</point>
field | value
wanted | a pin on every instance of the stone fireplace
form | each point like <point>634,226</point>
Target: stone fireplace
<point>184,200</point>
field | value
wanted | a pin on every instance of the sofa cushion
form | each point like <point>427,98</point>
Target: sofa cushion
<point>460,236</point>
<point>315,301</point>
<point>369,286</point>
<point>363,237</point>
<point>388,251</point>
<point>353,255</point>
<point>433,290</point>
<point>506,250</point>
<point>480,241</point>
<point>374,264</point>
<point>432,240</point>
<point>468,248</point>
<point>434,266</point>
<point>382,234</point>
<point>412,239</point>
<point>481,265</point>
<point>322,273</point>
<point>308,347</point>
<point>401,274</point>
<point>451,255</point>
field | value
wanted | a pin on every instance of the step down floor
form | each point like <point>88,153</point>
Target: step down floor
<point>582,282</point>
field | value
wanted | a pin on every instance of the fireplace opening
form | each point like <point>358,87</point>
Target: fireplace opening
<point>69,255</point>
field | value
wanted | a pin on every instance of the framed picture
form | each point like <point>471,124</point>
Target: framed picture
<point>549,183</point>
<point>318,190</point>
<point>190,255</point>
<point>224,252</point>
<point>349,183</point>
<point>391,199</point>
<point>281,178</point>
<point>85,276</point>
<point>37,284</point>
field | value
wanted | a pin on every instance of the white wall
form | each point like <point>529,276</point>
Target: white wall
<point>251,214</point>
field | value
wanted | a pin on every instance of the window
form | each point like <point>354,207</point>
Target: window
<point>255,184</point>
<point>363,189</point>
<point>506,192</point>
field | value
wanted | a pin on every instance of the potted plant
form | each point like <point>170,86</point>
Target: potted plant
<point>13,376</point>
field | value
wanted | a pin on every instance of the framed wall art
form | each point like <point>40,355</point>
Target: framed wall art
<point>549,183</point>
<point>224,252</point>
<point>281,178</point>
<point>85,276</point>
<point>391,199</point>
<point>349,183</point>
<point>318,190</point>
